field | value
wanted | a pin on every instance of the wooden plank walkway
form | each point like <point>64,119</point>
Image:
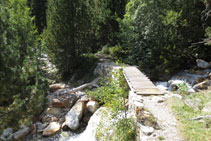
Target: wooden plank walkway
<point>139,83</point>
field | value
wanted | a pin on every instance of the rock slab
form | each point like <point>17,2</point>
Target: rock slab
<point>74,115</point>
<point>202,64</point>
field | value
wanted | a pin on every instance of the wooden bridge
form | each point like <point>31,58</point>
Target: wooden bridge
<point>139,83</point>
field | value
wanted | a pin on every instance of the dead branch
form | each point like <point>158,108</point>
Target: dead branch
<point>93,83</point>
<point>202,117</point>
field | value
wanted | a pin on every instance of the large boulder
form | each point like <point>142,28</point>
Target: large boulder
<point>92,106</point>
<point>51,129</point>
<point>101,116</point>
<point>74,115</point>
<point>202,64</point>
<point>6,134</point>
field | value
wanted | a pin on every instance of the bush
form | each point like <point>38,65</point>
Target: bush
<point>125,130</point>
<point>113,92</point>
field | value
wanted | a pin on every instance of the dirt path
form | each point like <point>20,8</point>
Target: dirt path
<point>158,106</point>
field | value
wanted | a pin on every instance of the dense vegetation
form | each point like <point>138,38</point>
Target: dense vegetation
<point>159,36</point>
<point>112,94</point>
<point>21,82</point>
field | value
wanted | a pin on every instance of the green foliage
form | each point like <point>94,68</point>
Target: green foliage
<point>158,35</point>
<point>193,130</point>
<point>111,52</point>
<point>72,31</point>
<point>182,89</point>
<point>113,92</point>
<point>125,130</point>
<point>21,83</point>
<point>38,8</point>
<point>208,34</point>
<point>114,10</point>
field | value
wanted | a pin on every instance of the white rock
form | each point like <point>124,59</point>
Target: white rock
<point>74,115</point>
<point>52,128</point>
<point>202,64</point>
<point>207,108</point>
<point>90,133</point>
<point>92,106</point>
<point>146,130</point>
<point>163,86</point>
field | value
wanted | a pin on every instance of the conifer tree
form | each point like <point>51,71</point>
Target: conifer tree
<point>72,30</point>
<point>21,85</point>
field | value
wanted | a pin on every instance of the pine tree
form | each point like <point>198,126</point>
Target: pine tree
<point>21,85</point>
<point>72,31</point>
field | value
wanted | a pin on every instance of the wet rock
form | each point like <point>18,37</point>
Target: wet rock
<point>202,64</point>
<point>6,134</point>
<point>92,106</point>
<point>207,108</point>
<point>54,111</point>
<point>40,127</point>
<point>21,133</point>
<point>163,86</point>
<point>192,103</point>
<point>57,86</point>
<point>74,115</point>
<point>51,129</point>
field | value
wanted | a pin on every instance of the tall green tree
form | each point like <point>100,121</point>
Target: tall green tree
<point>72,31</point>
<point>110,28</point>
<point>21,85</point>
<point>159,35</point>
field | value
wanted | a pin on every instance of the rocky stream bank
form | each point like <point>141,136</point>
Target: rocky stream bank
<point>72,115</point>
